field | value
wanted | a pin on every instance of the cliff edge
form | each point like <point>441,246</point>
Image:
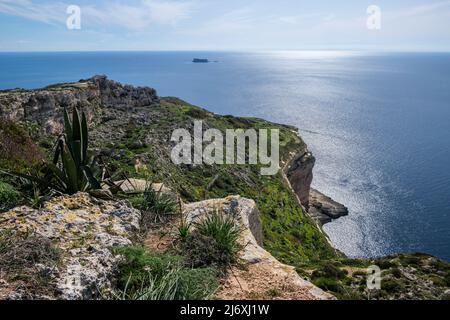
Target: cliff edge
<point>130,130</point>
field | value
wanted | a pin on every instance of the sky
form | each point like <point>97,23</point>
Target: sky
<point>229,25</point>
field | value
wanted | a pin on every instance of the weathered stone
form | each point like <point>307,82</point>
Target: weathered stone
<point>299,172</point>
<point>324,208</point>
<point>45,106</point>
<point>263,267</point>
<point>84,229</point>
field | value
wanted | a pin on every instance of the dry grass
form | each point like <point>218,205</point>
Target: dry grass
<point>27,264</point>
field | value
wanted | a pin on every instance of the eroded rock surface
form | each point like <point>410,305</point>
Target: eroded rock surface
<point>299,172</point>
<point>263,276</point>
<point>325,209</point>
<point>84,229</point>
<point>45,106</point>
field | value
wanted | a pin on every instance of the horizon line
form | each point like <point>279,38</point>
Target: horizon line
<point>229,50</point>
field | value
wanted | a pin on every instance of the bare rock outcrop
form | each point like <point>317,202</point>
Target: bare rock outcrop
<point>44,106</point>
<point>84,230</point>
<point>263,276</point>
<point>299,172</point>
<point>325,209</point>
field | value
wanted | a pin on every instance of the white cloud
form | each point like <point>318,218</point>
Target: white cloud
<point>236,22</point>
<point>47,13</point>
<point>165,12</point>
<point>137,16</point>
<point>423,9</point>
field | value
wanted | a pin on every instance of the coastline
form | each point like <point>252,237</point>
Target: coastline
<point>130,128</point>
<point>298,173</point>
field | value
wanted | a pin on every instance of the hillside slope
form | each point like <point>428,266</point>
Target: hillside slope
<point>131,130</point>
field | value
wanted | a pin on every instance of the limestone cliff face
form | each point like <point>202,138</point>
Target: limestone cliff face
<point>44,106</point>
<point>299,172</point>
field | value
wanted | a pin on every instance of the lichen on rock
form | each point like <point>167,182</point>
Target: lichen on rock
<point>84,229</point>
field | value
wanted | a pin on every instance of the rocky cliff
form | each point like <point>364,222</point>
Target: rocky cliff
<point>44,106</point>
<point>131,130</point>
<point>299,174</point>
<point>104,100</point>
<point>116,113</point>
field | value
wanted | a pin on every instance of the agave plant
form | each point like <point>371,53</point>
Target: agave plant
<point>74,173</point>
<point>70,171</point>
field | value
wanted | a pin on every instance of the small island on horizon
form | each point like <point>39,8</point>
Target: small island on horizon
<point>200,60</point>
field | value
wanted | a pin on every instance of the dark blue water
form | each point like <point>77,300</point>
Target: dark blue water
<point>379,124</point>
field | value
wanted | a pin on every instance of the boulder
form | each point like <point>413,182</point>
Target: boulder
<point>84,230</point>
<point>262,273</point>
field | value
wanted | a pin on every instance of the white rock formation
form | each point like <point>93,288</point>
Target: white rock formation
<point>84,229</point>
<point>264,273</point>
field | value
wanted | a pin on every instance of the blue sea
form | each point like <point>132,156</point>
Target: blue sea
<point>378,123</point>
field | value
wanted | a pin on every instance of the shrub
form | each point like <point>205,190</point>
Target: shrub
<point>359,274</point>
<point>412,260</point>
<point>328,284</point>
<point>354,262</point>
<point>391,285</point>
<point>396,272</point>
<point>18,150</point>
<point>384,263</point>
<point>148,275</point>
<point>438,281</point>
<point>329,270</point>
<point>223,228</point>
<point>9,196</point>
<point>215,241</point>
<point>202,251</point>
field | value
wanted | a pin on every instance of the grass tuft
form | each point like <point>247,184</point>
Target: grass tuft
<point>215,241</point>
<point>146,275</point>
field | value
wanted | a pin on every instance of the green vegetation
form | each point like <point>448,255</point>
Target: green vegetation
<point>69,172</point>
<point>146,275</point>
<point>155,205</point>
<point>19,152</point>
<point>189,271</point>
<point>289,234</point>
<point>214,242</point>
<point>184,229</point>
<point>192,269</point>
<point>158,202</point>
<point>404,276</point>
<point>75,173</point>
<point>9,196</point>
